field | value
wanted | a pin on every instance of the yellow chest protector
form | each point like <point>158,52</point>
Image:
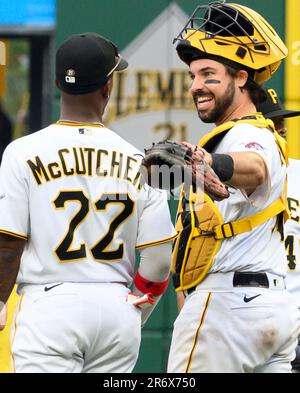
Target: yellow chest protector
<point>200,225</point>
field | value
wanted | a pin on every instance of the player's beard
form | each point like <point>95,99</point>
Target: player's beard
<point>222,104</point>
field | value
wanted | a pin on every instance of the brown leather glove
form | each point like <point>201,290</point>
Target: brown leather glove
<point>168,164</point>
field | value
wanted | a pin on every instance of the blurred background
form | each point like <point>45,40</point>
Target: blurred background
<point>151,100</point>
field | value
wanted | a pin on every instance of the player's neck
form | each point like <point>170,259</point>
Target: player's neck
<point>80,116</point>
<point>82,109</point>
<point>75,118</point>
<point>243,108</point>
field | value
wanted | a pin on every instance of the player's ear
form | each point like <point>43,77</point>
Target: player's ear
<point>241,78</point>
<point>107,88</point>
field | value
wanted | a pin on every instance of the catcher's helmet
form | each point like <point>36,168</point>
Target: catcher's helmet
<point>235,35</point>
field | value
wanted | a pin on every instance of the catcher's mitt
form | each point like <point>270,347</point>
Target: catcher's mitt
<point>168,164</point>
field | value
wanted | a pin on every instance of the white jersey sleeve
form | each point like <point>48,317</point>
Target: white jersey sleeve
<point>13,196</point>
<point>247,138</point>
<point>155,219</point>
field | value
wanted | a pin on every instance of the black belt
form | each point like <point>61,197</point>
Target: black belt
<point>241,279</point>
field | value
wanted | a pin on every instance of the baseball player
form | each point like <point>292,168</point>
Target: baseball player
<point>228,258</point>
<point>74,211</point>
<point>273,109</point>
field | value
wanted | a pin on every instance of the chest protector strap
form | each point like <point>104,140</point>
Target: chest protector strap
<point>200,225</point>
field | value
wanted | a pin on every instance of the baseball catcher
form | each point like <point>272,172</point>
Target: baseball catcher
<point>168,164</point>
<point>228,256</point>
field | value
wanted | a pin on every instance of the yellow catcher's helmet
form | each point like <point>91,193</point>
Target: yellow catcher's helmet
<point>235,35</point>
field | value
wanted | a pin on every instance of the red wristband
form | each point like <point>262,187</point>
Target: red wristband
<point>145,286</point>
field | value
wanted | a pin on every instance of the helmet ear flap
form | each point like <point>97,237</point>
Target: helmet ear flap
<point>266,73</point>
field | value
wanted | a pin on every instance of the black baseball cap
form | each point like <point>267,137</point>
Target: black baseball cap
<point>272,106</point>
<point>84,62</point>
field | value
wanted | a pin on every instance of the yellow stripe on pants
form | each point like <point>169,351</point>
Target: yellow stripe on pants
<point>5,334</point>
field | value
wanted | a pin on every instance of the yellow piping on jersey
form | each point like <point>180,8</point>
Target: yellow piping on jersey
<point>13,234</point>
<point>156,242</point>
<point>15,331</point>
<point>74,124</point>
<point>197,333</point>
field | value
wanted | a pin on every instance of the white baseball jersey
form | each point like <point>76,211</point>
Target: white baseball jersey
<point>292,230</point>
<point>241,328</point>
<point>74,191</point>
<point>261,249</point>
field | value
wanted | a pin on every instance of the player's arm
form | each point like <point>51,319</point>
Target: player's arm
<point>153,274</point>
<point>240,169</point>
<point>11,249</point>
<point>180,300</point>
<point>245,169</point>
<point>249,170</point>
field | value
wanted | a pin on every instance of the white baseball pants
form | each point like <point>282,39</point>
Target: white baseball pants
<point>75,327</point>
<point>223,329</point>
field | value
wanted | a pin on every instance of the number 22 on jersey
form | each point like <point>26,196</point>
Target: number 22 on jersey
<point>100,249</point>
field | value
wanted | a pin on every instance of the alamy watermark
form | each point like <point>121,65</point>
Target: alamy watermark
<point>172,178</point>
<point>157,180</point>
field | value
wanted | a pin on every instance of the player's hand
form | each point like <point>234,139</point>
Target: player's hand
<point>199,152</point>
<point>140,301</point>
<point>3,317</point>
